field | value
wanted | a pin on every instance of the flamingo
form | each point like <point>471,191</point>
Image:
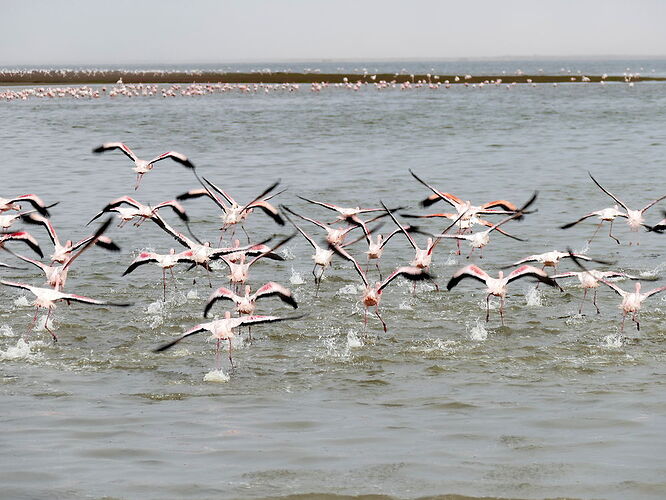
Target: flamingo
<point>165,261</point>
<point>334,235</point>
<point>605,215</point>
<point>56,276</point>
<point>591,280</point>
<point>372,294</point>
<point>552,259</point>
<point>62,252</point>
<point>634,217</point>
<point>482,238</point>
<point>632,301</point>
<point>498,286</point>
<point>24,237</point>
<point>140,210</point>
<point>235,213</point>
<point>46,298</point>
<point>14,203</point>
<point>246,304</point>
<point>222,329</point>
<point>141,167</point>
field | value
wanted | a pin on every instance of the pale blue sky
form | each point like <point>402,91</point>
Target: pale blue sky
<point>208,31</point>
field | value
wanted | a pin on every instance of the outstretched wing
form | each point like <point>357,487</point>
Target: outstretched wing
<point>175,156</point>
<point>109,146</point>
<point>274,289</point>
<point>571,224</point>
<point>143,258</point>
<point>470,271</point>
<point>532,272</point>
<point>191,331</point>
<point>343,253</point>
<point>26,238</point>
<point>269,210</point>
<point>34,200</point>
<point>177,208</point>
<point>438,195</point>
<point>221,293</point>
<point>409,272</point>
<point>43,221</point>
<point>608,192</point>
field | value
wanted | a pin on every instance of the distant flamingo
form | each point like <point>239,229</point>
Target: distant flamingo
<point>141,167</point>
<point>222,329</point>
<point>498,286</point>
<point>165,261</point>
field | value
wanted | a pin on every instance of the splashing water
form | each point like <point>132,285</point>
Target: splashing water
<point>451,260</point>
<point>353,340</point>
<point>217,376</point>
<point>22,350</point>
<point>288,254</point>
<point>6,331</point>
<point>614,340</point>
<point>296,278</point>
<point>533,297</point>
<point>405,306</point>
<point>21,301</point>
<point>192,294</point>
<point>347,290</point>
<point>477,331</point>
<point>42,323</point>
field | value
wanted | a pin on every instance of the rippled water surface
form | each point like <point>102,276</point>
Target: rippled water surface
<point>551,405</point>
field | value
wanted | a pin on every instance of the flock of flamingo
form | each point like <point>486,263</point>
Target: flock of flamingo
<point>334,239</point>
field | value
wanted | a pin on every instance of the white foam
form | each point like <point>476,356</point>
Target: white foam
<point>192,294</point>
<point>533,297</point>
<point>41,323</point>
<point>347,290</point>
<point>353,340</point>
<point>613,340</point>
<point>477,331</point>
<point>6,331</point>
<point>20,351</point>
<point>217,376</point>
<point>405,306</point>
<point>21,301</point>
<point>296,278</point>
<point>288,254</point>
<point>155,307</point>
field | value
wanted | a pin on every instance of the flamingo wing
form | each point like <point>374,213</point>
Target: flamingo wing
<point>409,272</point>
<point>532,272</point>
<point>175,156</point>
<point>655,291</point>
<point>221,293</point>
<point>274,289</point>
<point>470,271</point>
<point>34,200</point>
<point>586,216</point>
<point>345,255</point>
<point>191,331</point>
<point>177,208</point>
<point>143,258</point>
<point>43,221</point>
<point>652,203</point>
<point>26,238</point>
<point>269,210</point>
<point>70,297</point>
<point>608,192</point>
<point>109,146</point>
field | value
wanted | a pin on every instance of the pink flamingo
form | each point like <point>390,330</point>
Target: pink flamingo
<point>632,301</point>
<point>246,304</point>
<point>498,286</point>
<point>223,329</point>
<point>14,203</point>
<point>136,209</point>
<point>141,167</point>
<point>605,215</point>
<point>24,237</point>
<point>591,280</point>
<point>165,261</point>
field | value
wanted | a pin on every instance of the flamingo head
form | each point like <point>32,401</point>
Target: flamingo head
<point>501,274</point>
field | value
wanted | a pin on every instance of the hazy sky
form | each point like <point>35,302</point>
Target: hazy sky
<point>209,31</point>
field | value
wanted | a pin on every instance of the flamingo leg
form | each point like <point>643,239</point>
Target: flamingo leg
<point>379,271</point>
<point>317,279</point>
<point>138,181</point>
<point>46,326</point>
<point>594,301</point>
<point>610,231</point>
<point>380,318</point>
<point>230,358</point>
<point>164,283</point>
<point>173,277</point>
<point>595,232</point>
<point>634,318</point>
<point>217,355</point>
<point>34,320</point>
<point>246,235</point>
<point>580,309</point>
<point>487,308</point>
<point>624,315</point>
<point>501,310</point>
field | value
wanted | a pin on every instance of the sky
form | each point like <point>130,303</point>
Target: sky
<point>207,31</point>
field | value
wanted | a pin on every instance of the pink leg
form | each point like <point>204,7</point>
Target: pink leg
<point>138,181</point>
<point>487,308</point>
<point>624,315</point>
<point>217,355</point>
<point>610,233</point>
<point>46,326</point>
<point>580,309</point>
<point>380,318</point>
<point>594,301</point>
<point>501,310</point>
<point>595,232</point>
<point>634,318</point>
<point>230,358</point>
<point>164,283</point>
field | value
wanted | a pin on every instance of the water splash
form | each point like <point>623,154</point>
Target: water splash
<point>452,259</point>
<point>22,350</point>
<point>405,306</point>
<point>614,340</point>
<point>192,294</point>
<point>477,331</point>
<point>347,290</point>
<point>21,301</point>
<point>217,376</point>
<point>42,323</point>
<point>288,254</point>
<point>533,297</point>
<point>353,340</point>
<point>6,331</point>
<point>296,278</point>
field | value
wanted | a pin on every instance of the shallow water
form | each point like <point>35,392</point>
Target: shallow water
<point>550,405</point>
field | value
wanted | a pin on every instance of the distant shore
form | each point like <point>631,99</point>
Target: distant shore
<point>61,77</point>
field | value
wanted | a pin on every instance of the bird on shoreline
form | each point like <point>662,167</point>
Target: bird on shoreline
<point>141,167</point>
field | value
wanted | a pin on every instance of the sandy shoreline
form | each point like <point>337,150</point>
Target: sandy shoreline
<point>109,77</point>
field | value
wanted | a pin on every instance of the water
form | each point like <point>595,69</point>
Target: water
<point>550,405</point>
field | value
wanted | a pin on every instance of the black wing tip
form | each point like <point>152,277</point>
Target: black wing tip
<point>99,149</point>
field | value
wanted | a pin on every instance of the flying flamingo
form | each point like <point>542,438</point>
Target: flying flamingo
<point>605,215</point>
<point>165,261</point>
<point>14,203</point>
<point>24,237</point>
<point>591,280</point>
<point>634,217</point>
<point>246,304</point>
<point>552,259</point>
<point>141,167</point>
<point>632,301</point>
<point>334,235</point>
<point>235,213</point>
<point>372,294</point>
<point>136,209</point>
<point>56,276</point>
<point>482,238</point>
<point>62,252</point>
<point>498,286</point>
<point>222,329</point>
<point>46,298</point>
